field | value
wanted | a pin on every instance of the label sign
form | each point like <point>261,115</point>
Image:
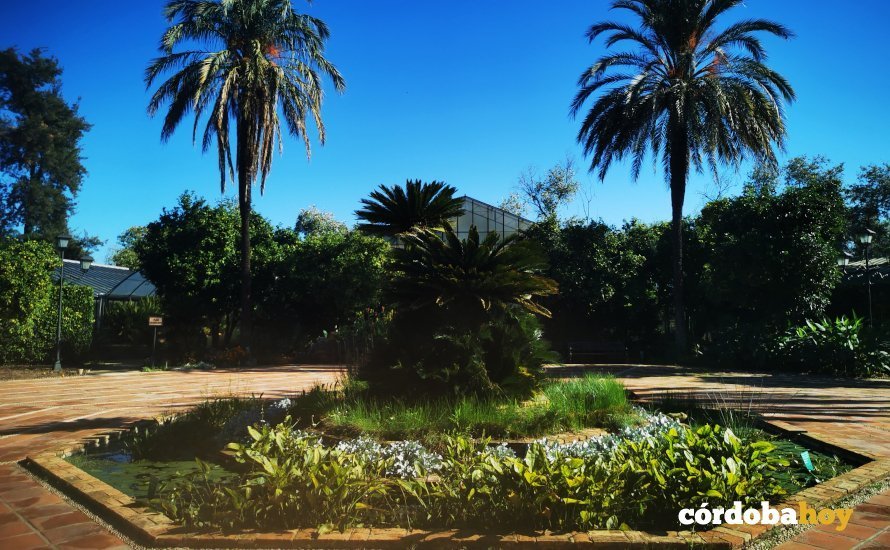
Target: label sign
<point>807,461</point>
<point>155,321</point>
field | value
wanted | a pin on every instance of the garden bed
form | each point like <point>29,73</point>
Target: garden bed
<point>387,469</point>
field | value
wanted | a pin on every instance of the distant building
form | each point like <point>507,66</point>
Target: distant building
<point>878,267</point>
<point>109,283</point>
<point>487,219</point>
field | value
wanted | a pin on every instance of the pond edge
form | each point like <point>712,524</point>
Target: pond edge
<point>154,529</point>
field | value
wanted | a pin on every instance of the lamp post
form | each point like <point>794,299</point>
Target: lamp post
<point>866,239</point>
<point>61,244</point>
<point>85,263</point>
<point>844,261</point>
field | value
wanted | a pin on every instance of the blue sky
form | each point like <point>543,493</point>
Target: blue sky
<point>471,92</point>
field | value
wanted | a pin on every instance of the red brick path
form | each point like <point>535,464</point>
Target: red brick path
<point>37,415</point>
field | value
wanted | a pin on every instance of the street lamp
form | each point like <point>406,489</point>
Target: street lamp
<point>85,263</point>
<point>866,239</point>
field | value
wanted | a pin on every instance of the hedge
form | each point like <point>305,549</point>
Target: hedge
<point>29,305</point>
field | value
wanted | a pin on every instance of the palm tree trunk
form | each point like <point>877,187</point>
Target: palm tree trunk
<point>679,169</point>
<point>245,164</point>
<point>246,306</point>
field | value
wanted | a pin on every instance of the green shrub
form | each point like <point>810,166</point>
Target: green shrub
<point>831,346</point>
<point>127,322</point>
<point>426,353</point>
<point>292,481</point>
<point>29,306</point>
<point>25,296</point>
<point>78,307</point>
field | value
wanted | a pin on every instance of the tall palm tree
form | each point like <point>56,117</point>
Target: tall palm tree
<point>394,211</point>
<point>687,91</point>
<point>251,62</point>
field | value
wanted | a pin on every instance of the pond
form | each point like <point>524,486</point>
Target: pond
<point>138,479</point>
<point>450,476</point>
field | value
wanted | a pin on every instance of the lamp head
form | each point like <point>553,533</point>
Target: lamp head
<point>86,262</point>
<point>866,237</point>
<point>62,241</point>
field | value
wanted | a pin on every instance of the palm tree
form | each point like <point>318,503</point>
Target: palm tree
<point>254,62</point>
<point>470,278</point>
<point>687,91</point>
<point>395,211</point>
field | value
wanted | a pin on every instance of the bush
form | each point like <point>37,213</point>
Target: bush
<point>127,322</point>
<point>292,481</point>
<point>25,292</point>
<point>831,346</point>
<point>425,354</point>
<point>78,307</point>
<point>464,315</point>
<point>29,305</point>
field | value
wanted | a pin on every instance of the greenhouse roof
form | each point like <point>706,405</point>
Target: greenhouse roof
<point>109,281</point>
<point>487,219</point>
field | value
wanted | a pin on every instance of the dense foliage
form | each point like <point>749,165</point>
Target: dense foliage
<point>318,282</point>
<point>305,282</point>
<point>838,347</point>
<point>28,305</point>
<point>291,480</point>
<point>611,281</point>
<point>40,153</point>
<point>755,263</point>
<point>124,254</point>
<point>191,255</point>
<point>464,314</point>
<point>769,257</point>
<point>124,322</point>
<point>869,201</point>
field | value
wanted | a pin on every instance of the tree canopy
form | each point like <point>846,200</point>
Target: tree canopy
<point>41,168</point>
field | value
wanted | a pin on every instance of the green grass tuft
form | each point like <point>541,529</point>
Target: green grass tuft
<point>592,401</point>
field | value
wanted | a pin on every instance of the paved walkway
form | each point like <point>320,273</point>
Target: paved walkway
<point>37,415</point>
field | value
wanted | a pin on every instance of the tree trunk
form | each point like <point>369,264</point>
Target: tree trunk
<point>246,306</point>
<point>246,165</point>
<point>679,169</point>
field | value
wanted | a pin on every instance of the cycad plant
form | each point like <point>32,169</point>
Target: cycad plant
<point>470,278</point>
<point>465,311</point>
<point>686,91</point>
<point>247,63</point>
<point>395,210</point>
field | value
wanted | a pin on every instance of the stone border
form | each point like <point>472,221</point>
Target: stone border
<point>154,529</point>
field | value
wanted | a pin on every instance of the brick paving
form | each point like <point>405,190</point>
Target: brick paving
<point>43,414</point>
<point>39,415</point>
